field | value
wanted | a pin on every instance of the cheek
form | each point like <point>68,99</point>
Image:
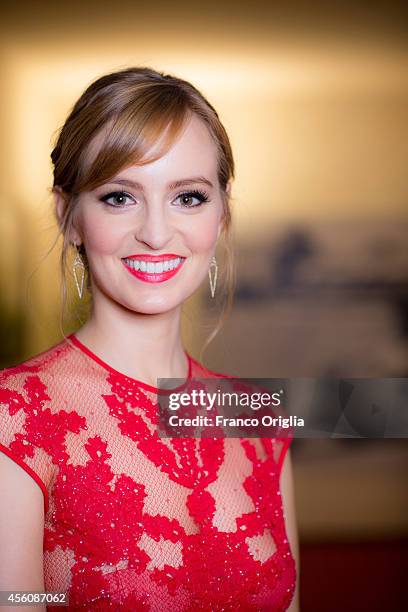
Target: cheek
<point>201,235</point>
<point>101,234</point>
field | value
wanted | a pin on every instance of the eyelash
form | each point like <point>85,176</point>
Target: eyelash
<point>202,196</point>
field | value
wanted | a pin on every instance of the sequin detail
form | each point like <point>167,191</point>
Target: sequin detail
<point>138,522</point>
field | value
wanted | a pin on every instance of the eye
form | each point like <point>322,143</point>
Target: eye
<point>118,199</point>
<point>187,196</point>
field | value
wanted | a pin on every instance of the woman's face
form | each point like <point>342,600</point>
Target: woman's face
<point>140,225</point>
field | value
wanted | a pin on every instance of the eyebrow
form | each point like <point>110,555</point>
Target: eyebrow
<point>172,185</point>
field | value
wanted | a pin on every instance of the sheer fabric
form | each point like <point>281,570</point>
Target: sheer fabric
<point>134,521</point>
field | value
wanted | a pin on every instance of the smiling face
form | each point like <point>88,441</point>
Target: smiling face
<point>171,207</point>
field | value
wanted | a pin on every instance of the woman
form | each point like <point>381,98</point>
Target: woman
<point>104,509</point>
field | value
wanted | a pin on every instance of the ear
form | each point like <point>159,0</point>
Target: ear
<point>61,201</point>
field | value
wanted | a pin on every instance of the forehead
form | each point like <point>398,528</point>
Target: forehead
<point>193,152</point>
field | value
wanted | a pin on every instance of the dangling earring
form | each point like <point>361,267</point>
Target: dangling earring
<point>212,273</point>
<point>78,268</point>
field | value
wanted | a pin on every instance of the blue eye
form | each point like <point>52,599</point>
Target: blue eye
<point>201,196</point>
<point>119,198</point>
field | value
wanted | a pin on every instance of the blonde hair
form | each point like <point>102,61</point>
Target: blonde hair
<point>134,107</point>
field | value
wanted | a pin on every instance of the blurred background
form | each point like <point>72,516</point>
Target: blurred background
<point>314,98</point>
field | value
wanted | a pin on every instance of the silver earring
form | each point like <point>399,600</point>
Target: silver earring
<point>78,270</point>
<point>212,273</point>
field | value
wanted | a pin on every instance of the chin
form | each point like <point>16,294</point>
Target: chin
<point>153,307</point>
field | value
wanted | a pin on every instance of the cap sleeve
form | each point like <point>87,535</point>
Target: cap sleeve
<point>22,425</point>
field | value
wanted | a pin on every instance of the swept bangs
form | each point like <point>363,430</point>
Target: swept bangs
<point>141,127</point>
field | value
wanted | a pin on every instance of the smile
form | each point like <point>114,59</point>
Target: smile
<point>153,271</point>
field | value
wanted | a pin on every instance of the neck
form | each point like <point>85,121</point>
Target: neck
<point>143,346</point>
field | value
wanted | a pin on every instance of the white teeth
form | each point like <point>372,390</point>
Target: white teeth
<point>153,268</point>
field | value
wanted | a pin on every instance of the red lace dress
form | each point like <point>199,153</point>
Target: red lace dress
<point>134,521</point>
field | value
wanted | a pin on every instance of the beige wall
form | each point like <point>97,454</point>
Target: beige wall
<point>318,131</point>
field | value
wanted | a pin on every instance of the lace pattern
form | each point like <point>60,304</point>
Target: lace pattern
<point>138,522</point>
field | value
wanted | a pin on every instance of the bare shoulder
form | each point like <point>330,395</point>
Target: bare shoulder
<point>21,529</point>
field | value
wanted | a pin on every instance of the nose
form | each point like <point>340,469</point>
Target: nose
<point>154,227</point>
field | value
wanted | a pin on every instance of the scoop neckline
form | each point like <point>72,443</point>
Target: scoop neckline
<point>73,338</point>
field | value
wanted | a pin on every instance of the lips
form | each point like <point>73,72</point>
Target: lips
<point>153,261</point>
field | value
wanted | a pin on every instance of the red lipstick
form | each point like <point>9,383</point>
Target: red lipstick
<point>153,277</point>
